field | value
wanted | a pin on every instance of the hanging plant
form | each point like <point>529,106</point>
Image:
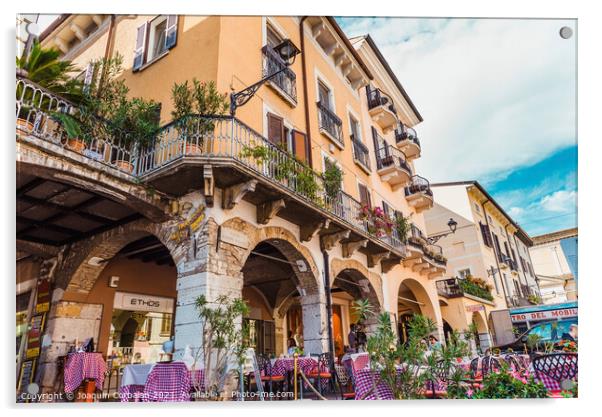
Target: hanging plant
<point>378,223</point>
<point>402,225</point>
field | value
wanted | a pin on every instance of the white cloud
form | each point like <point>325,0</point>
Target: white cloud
<point>559,202</point>
<point>495,94</point>
<point>515,211</point>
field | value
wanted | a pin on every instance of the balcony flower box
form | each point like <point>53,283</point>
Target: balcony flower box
<point>379,224</point>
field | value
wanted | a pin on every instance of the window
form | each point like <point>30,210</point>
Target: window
<point>300,146</point>
<point>166,325</point>
<point>276,132</point>
<point>324,95</point>
<point>388,210</point>
<point>486,235</point>
<point>477,208</point>
<point>365,199</point>
<point>354,126</point>
<point>272,37</point>
<point>464,273</point>
<point>154,38</point>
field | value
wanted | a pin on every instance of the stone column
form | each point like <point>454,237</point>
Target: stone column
<point>315,330</point>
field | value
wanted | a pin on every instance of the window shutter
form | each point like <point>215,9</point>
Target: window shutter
<point>171,31</point>
<point>88,77</point>
<point>300,146</point>
<point>140,47</point>
<point>486,234</point>
<point>275,129</point>
<point>497,246</point>
<point>364,196</point>
<point>507,250</point>
<point>387,209</point>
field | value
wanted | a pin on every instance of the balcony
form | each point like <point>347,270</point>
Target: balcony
<point>381,109</point>
<point>392,167</point>
<point>207,153</point>
<point>407,141</point>
<point>422,256</point>
<point>330,124</point>
<point>419,194</point>
<point>457,287</point>
<point>361,154</point>
<point>285,83</point>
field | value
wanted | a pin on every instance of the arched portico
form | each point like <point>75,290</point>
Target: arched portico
<point>414,298</point>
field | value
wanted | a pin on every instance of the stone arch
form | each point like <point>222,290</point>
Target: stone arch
<point>425,303</point>
<point>478,318</point>
<point>356,271</point>
<point>79,272</point>
<point>305,274</point>
<point>284,240</point>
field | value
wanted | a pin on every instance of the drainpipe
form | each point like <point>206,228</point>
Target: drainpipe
<point>497,263</point>
<point>328,292</point>
<point>305,94</point>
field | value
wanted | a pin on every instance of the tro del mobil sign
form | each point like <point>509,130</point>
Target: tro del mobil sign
<point>544,312</point>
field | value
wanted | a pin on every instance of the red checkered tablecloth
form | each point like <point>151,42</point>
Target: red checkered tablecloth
<point>364,382</point>
<point>136,392</point>
<point>84,365</point>
<point>283,365</point>
<point>168,382</point>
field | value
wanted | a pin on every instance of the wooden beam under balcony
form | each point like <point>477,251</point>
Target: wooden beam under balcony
<point>308,230</point>
<point>269,209</point>
<point>329,241</point>
<point>375,258</point>
<point>234,194</point>
<point>387,264</point>
<point>349,248</point>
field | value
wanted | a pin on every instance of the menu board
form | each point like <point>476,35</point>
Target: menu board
<point>34,336</point>
<point>43,296</point>
<point>26,374</point>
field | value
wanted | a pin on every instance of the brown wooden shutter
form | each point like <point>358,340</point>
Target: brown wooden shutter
<point>275,129</point>
<point>171,31</point>
<point>300,146</point>
<point>486,234</point>
<point>139,50</point>
<point>364,196</point>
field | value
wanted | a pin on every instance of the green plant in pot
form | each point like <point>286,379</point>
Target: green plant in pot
<point>333,178</point>
<point>195,104</point>
<point>402,225</point>
<point>73,130</point>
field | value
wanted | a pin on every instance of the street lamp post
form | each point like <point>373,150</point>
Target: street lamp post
<point>287,51</point>
<point>452,224</point>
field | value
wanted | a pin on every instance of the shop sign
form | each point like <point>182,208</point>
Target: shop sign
<point>233,237</point>
<point>141,302</point>
<point>43,296</point>
<point>544,315</point>
<point>473,308</point>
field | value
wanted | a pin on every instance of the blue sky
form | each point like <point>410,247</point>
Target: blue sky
<point>498,101</point>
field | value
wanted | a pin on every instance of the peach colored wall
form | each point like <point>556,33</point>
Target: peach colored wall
<point>134,276</point>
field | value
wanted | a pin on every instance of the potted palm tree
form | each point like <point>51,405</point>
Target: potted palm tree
<point>44,67</point>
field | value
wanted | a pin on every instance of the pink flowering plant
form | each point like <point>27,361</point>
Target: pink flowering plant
<point>379,224</point>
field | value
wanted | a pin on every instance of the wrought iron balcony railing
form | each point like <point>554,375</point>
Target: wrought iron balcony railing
<point>403,132</point>
<point>286,81</point>
<point>449,288</point>
<point>37,112</point>
<point>330,123</point>
<point>360,152</point>
<point>419,185</point>
<point>377,98</point>
<point>389,155</point>
<point>219,137</point>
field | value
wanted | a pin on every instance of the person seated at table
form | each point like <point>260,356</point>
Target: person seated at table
<point>434,343</point>
<point>571,335</point>
<point>137,358</point>
<point>362,339</point>
<point>352,337</point>
<point>292,346</point>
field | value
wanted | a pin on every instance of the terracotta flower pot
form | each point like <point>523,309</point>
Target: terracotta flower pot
<point>124,165</point>
<point>192,149</point>
<point>76,145</point>
<point>24,126</point>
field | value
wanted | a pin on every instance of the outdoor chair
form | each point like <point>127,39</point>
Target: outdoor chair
<point>556,371</point>
<point>344,375</point>
<point>267,377</point>
<point>438,384</point>
<point>489,364</point>
<point>321,371</point>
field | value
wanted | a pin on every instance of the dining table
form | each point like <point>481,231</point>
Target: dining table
<point>80,366</point>
<point>160,382</point>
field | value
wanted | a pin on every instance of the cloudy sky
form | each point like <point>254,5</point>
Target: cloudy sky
<point>498,101</point>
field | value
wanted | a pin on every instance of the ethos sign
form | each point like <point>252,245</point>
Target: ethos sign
<point>140,302</point>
